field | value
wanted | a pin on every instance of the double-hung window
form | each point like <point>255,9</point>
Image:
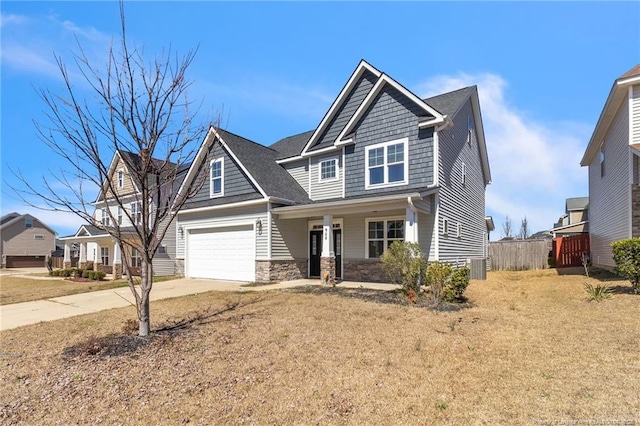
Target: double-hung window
<point>329,169</point>
<point>120,179</point>
<point>381,233</point>
<point>105,217</point>
<point>104,254</point>
<point>136,259</point>
<point>216,176</point>
<point>119,215</point>
<point>387,164</point>
<point>136,212</point>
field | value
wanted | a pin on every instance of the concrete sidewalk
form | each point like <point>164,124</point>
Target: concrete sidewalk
<point>19,314</point>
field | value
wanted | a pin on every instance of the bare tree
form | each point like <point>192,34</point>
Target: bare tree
<point>524,229</point>
<point>506,228</point>
<point>141,108</point>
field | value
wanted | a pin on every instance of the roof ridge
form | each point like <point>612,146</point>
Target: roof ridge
<point>452,91</point>
<point>246,139</point>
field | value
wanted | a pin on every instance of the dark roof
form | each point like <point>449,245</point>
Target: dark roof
<point>92,230</point>
<point>260,162</point>
<point>449,103</point>
<point>292,146</point>
<point>6,218</point>
<point>577,203</point>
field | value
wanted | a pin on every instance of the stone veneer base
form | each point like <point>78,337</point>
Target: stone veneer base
<point>270,271</point>
<point>366,270</point>
<point>328,270</point>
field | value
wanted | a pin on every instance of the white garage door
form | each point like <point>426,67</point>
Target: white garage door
<point>222,253</point>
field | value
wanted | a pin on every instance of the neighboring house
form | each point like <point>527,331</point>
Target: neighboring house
<point>95,242</point>
<point>613,158</point>
<point>26,241</point>
<point>383,165</point>
<point>575,220</point>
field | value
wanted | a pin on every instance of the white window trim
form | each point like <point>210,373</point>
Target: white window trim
<point>120,178</point>
<point>211,193</point>
<point>463,176</point>
<point>120,215</point>
<point>104,217</point>
<point>38,237</point>
<point>386,184</point>
<point>458,230</point>
<point>135,211</point>
<point>384,219</point>
<point>469,129</point>
<point>445,226</point>
<point>102,255</point>
<point>326,160</point>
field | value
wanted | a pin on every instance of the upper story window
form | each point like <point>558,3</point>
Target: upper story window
<point>329,169</point>
<point>602,159</point>
<point>469,129</point>
<point>387,164</point>
<point>120,179</point>
<point>136,212</point>
<point>28,223</point>
<point>381,233</point>
<point>38,237</point>
<point>119,215</point>
<point>104,219</point>
<point>216,178</point>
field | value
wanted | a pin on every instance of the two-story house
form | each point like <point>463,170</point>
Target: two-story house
<point>575,219</point>
<point>383,165</point>
<point>96,243</point>
<point>25,241</point>
<point>613,159</point>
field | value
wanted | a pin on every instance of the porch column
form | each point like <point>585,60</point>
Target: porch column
<point>411,225</point>
<point>117,262</point>
<point>97,261</point>
<point>83,256</point>
<point>66,261</point>
<point>328,256</point>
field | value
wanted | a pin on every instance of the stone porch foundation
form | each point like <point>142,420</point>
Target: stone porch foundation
<point>367,270</point>
<point>270,271</point>
<point>117,271</point>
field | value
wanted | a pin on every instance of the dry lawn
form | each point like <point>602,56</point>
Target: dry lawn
<point>528,349</point>
<point>19,289</point>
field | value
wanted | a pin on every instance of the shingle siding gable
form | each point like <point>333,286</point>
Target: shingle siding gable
<point>235,181</point>
<point>391,116</point>
<point>346,110</point>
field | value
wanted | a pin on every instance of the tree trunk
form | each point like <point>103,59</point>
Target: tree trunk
<point>146,281</point>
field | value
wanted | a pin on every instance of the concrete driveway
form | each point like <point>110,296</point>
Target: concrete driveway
<point>19,314</point>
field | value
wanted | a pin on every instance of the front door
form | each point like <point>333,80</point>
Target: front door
<point>315,252</point>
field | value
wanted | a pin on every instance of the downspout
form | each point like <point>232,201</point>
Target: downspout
<point>414,210</point>
<point>269,215</point>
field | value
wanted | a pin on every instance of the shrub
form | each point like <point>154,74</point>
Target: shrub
<point>404,263</point>
<point>457,284</point>
<point>96,275</point>
<point>626,254</point>
<point>438,275</point>
<point>85,273</point>
<point>597,292</point>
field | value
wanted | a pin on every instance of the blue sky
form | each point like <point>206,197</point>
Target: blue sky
<point>543,71</point>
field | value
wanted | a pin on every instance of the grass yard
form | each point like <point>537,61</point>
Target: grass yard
<point>528,349</point>
<point>20,289</point>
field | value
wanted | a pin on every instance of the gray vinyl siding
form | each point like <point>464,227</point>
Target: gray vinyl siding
<point>165,263</point>
<point>458,202</point>
<point>426,235</point>
<point>392,116</point>
<point>354,237</point>
<point>299,170</point>
<point>223,218</point>
<point>323,190</point>
<point>235,182</point>
<point>609,204</point>
<point>18,240</point>
<point>635,111</point>
<point>348,108</point>
<point>289,238</point>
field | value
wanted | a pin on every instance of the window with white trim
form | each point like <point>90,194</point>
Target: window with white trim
<point>119,215</point>
<point>469,129</point>
<point>602,159</point>
<point>329,169</point>
<point>120,179</point>
<point>458,230</point>
<point>28,223</point>
<point>445,226</point>
<point>136,212</point>
<point>136,259</point>
<point>38,237</point>
<point>381,233</point>
<point>463,177</point>
<point>105,217</point>
<point>104,255</point>
<point>387,164</point>
<point>216,176</point>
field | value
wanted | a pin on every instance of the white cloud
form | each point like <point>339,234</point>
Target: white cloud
<point>11,19</point>
<point>534,164</point>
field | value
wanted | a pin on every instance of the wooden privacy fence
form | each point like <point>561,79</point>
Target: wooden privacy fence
<point>519,255</point>
<point>568,251</point>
